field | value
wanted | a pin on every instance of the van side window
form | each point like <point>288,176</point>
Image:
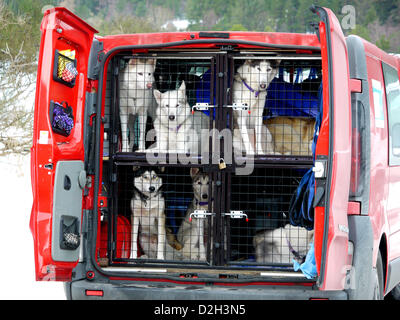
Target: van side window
<point>392,88</point>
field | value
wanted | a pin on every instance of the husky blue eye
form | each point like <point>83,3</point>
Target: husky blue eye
<point>140,73</point>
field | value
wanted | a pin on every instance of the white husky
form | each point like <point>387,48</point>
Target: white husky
<point>135,99</point>
<point>174,124</point>
<point>282,245</point>
<point>250,85</point>
<point>192,232</point>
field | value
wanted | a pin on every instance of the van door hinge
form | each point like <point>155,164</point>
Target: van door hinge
<point>95,59</point>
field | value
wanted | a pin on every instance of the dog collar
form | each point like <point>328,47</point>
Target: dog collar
<point>201,203</point>
<point>145,198</point>
<point>176,129</point>
<point>256,93</point>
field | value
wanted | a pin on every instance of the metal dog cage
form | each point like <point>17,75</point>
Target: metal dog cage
<point>241,208</point>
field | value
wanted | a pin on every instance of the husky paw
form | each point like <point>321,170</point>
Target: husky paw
<point>160,256</point>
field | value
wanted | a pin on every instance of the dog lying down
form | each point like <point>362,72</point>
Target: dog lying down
<point>282,245</point>
<point>292,135</point>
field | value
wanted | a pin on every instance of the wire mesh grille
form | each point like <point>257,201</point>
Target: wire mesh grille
<point>281,99</point>
<point>267,237</point>
<point>156,100</point>
<point>274,104</point>
<point>159,202</point>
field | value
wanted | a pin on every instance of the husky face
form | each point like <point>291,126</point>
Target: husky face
<point>148,182</point>
<point>259,73</point>
<point>200,184</point>
<point>139,74</point>
<point>173,108</point>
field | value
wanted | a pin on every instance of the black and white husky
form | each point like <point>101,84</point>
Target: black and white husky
<point>192,232</point>
<point>250,87</point>
<point>148,217</point>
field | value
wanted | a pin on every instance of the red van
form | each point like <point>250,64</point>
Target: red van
<point>83,217</point>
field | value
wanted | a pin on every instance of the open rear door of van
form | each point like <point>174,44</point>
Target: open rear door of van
<point>333,153</point>
<point>57,155</point>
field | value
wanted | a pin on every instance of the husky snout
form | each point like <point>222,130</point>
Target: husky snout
<point>149,85</point>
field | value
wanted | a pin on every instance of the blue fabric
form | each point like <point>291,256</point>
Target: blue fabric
<point>301,205</point>
<point>309,266</point>
<point>203,91</point>
<point>287,99</point>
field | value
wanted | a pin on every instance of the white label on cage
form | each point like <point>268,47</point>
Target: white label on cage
<point>43,137</point>
<point>378,103</point>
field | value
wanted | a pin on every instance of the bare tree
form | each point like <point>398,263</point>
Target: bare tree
<point>17,78</point>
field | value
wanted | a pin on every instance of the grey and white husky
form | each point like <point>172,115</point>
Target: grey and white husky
<point>250,87</point>
<point>148,218</point>
<point>136,98</point>
<point>192,232</point>
<point>173,124</point>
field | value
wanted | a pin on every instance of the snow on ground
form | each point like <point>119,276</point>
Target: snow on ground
<point>17,267</point>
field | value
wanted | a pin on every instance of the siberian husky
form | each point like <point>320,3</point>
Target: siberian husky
<point>283,244</point>
<point>250,87</point>
<point>135,99</point>
<point>192,232</point>
<point>148,218</point>
<point>292,136</point>
<point>174,124</point>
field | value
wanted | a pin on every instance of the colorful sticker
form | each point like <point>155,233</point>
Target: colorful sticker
<point>378,103</point>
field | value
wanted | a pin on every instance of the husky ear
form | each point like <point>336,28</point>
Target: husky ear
<point>157,95</point>
<point>194,172</point>
<point>132,62</point>
<point>152,61</point>
<point>183,86</point>
<point>275,63</point>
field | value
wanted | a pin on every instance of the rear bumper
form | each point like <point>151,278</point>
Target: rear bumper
<point>143,290</point>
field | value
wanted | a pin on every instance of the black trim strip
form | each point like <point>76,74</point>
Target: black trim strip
<point>325,18</point>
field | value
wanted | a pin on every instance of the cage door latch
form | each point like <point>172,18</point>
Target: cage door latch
<point>237,215</point>
<point>239,106</point>
<point>201,106</point>
<point>200,214</point>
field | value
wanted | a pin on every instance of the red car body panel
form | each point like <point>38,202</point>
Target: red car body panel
<point>60,30</point>
<point>63,30</point>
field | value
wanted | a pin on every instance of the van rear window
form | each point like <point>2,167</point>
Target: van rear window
<point>392,88</point>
